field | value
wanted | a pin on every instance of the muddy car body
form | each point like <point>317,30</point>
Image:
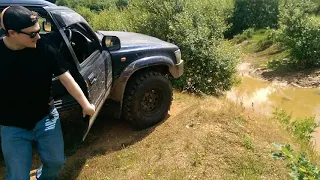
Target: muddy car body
<point>130,69</point>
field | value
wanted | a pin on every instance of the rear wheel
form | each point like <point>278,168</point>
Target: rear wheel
<point>147,99</point>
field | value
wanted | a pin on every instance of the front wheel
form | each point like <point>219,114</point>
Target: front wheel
<point>147,99</point>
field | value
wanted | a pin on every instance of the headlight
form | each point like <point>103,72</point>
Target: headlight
<point>177,53</point>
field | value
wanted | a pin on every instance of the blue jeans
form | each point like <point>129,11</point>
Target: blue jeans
<point>17,149</point>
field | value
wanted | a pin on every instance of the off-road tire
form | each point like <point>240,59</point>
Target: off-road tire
<point>147,99</point>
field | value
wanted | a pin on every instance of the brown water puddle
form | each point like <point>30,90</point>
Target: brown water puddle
<point>263,96</point>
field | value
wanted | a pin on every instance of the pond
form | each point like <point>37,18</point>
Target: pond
<point>264,96</point>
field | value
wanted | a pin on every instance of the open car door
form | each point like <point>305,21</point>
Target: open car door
<point>97,73</point>
<point>91,66</point>
<point>95,68</point>
<point>94,77</point>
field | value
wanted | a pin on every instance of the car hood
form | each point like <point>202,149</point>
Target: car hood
<point>136,40</point>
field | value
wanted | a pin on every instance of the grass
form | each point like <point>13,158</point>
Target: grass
<point>203,138</point>
<point>248,142</point>
<point>258,48</point>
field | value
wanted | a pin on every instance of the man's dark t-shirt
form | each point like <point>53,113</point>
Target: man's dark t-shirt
<point>26,82</point>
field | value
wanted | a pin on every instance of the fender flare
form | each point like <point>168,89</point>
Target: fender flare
<point>120,84</point>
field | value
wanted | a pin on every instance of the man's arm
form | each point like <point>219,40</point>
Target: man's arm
<point>73,88</point>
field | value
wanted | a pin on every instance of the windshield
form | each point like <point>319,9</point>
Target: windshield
<point>67,17</point>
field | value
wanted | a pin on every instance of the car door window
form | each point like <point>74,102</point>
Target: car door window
<point>83,44</point>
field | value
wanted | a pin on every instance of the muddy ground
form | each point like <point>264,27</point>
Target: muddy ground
<point>309,78</point>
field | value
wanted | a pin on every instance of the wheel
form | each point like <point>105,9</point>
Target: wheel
<point>147,99</point>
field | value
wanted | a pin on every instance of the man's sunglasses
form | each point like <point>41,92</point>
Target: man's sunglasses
<point>31,34</point>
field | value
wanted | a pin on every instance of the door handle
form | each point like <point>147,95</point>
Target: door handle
<point>92,78</point>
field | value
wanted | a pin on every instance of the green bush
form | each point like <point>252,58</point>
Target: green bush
<point>278,64</point>
<point>247,34</point>
<point>122,4</point>
<point>301,128</point>
<point>129,19</point>
<point>85,13</point>
<point>211,70</point>
<point>267,40</point>
<point>256,14</point>
<point>161,14</point>
<point>300,32</point>
<point>300,166</point>
<point>93,5</point>
<point>197,28</point>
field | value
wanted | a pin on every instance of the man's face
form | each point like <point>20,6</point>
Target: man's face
<point>28,37</point>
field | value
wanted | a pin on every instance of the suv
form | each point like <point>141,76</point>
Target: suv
<point>130,69</point>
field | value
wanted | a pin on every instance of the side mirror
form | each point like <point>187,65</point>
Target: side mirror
<point>112,43</point>
<point>46,26</point>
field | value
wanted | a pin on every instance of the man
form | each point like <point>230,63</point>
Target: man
<point>26,104</point>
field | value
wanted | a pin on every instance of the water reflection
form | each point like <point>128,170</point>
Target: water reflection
<point>263,96</point>
<point>259,94</point>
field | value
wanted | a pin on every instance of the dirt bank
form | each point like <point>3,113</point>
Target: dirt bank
<point>309,78</point>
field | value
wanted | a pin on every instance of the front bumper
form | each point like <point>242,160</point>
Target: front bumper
<point>177,70</point>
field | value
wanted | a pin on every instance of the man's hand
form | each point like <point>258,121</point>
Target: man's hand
<point>74,89</point>
<point>89,110</point>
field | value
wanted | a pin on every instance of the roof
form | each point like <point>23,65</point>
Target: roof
<point>27,2</point>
